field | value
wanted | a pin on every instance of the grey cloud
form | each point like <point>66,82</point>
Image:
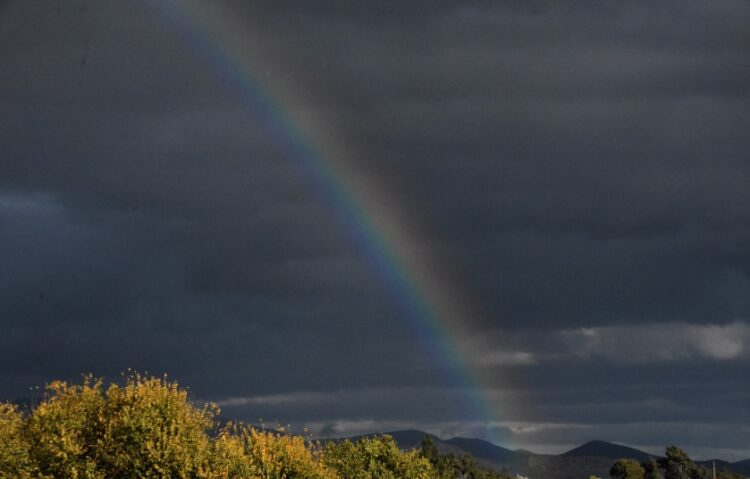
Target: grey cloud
<point>584,165</point>
<point>662,342</point>
<point>632,344</point>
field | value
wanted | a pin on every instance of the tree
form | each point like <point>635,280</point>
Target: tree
<point>145,428</point>
<point>626,469</point>
<point>66,430</point>
<point>376,458</point>
<point>275,455</point>
<point>14,449</point>
<point>653,469</point>
<point>675,465</point>
<point>450,466</point>
<point>429,449</point>
<point>152,431</point>
<point>678,465</point>
<point>727,474</point>
<point>440,463</point>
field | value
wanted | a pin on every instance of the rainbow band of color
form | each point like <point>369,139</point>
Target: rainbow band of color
<point>386,245</point>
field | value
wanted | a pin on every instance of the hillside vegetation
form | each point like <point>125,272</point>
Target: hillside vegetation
<point>147,428</point>
<point>676,464</point>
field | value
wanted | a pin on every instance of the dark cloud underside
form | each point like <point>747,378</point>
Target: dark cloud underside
<point>584,164</point>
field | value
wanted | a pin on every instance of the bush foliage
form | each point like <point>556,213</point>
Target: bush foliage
<point>675,464</point>
<point>146,427</point>
<point>376,458</point>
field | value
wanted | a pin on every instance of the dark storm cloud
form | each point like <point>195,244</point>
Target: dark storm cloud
<point>611,169</point>
<point>585,164</point>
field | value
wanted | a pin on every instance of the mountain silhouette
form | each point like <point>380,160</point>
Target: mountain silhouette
<point>482,449</point>
<point>592,458</point>
<point>608,450</point>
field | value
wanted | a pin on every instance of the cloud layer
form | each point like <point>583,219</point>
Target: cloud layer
<point>583,167</point>
<point>662,342</point>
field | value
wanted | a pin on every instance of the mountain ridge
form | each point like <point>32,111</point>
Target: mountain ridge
<point>591,458</point>
<point>610,450</point>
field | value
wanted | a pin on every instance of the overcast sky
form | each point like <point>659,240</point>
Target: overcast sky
<point>585,165</point>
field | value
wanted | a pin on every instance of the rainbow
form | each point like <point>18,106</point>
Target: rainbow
<point>426,291</point>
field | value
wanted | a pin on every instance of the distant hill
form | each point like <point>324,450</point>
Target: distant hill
<point>720,464</point>
<point>592,458</point>
<point>608,450</point>
<point>743,467</point>
<point>548,466</point>
<point>482,449</point>
<point>479,448</point>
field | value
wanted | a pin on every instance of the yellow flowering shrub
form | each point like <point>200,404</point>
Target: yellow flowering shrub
<point>152,431</point>
<point>14,449</point>
<point>65,430</point>
<point>229,457</point>
<point>376,458</point>
<point>146,427</point>
<point>274,455</point>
